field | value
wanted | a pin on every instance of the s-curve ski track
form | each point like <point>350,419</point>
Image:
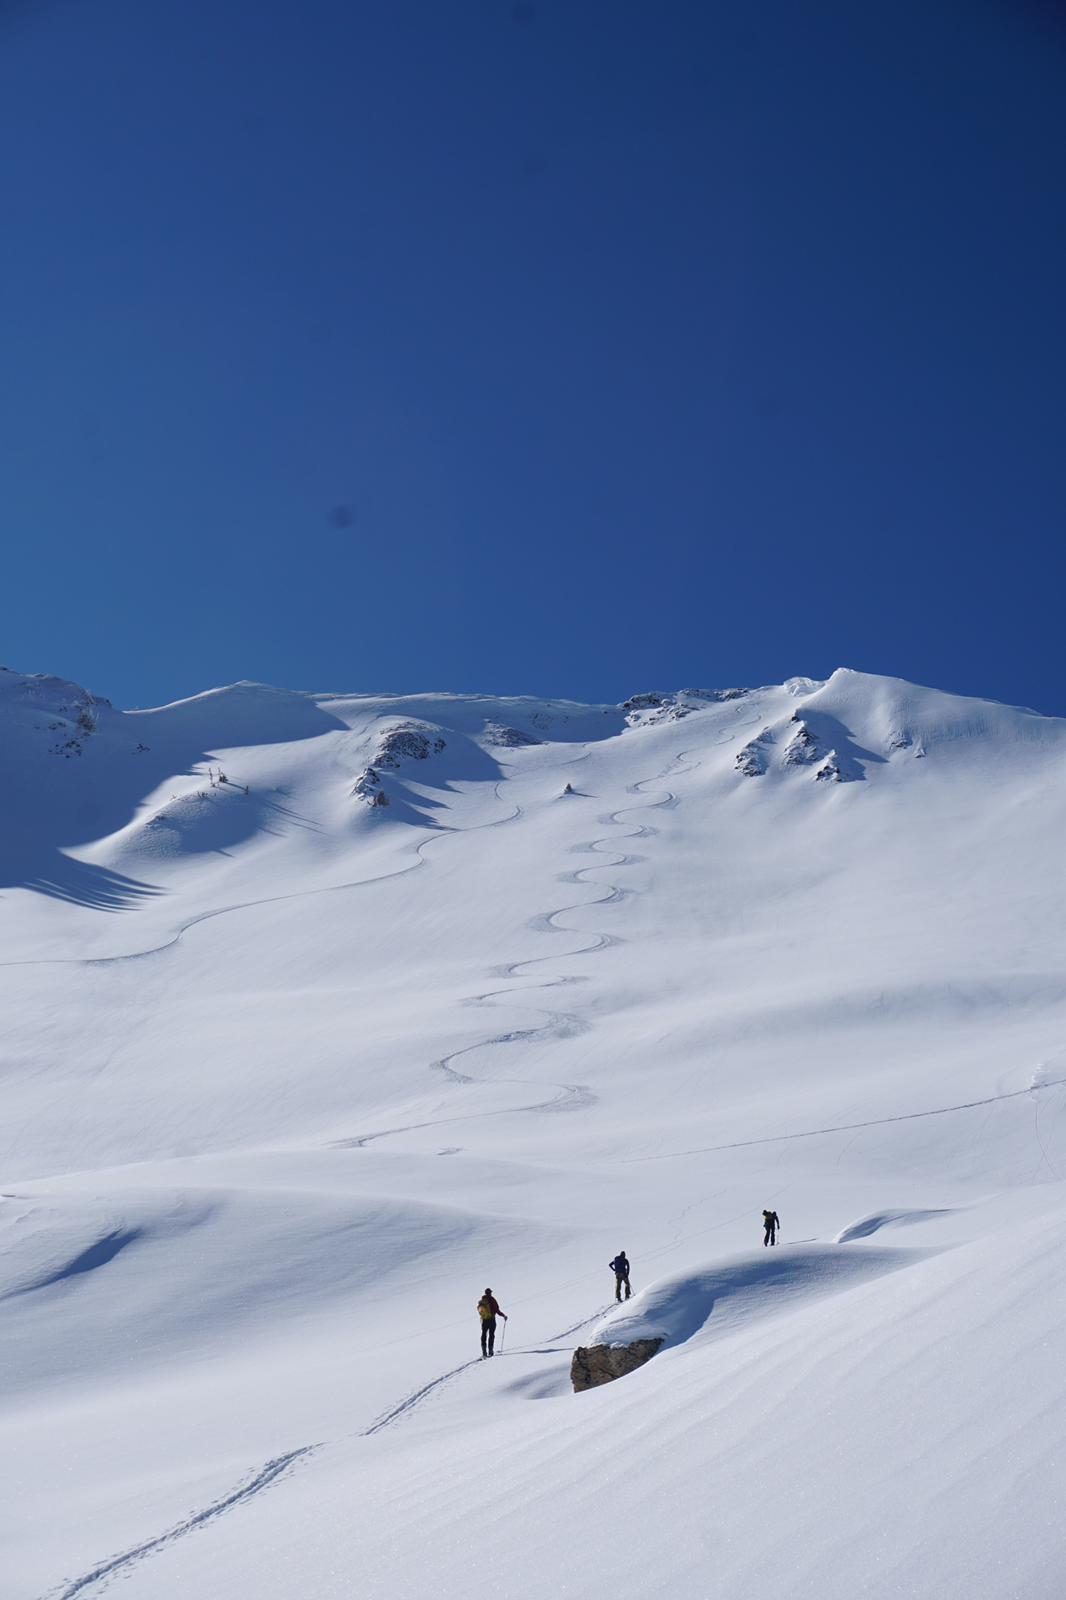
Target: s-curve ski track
<point>554,1025</point>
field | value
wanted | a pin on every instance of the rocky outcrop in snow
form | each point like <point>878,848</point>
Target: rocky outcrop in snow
<point>508,738</point>
<point>410,741</point>
<point>367,787</point>
<point>644,702</point>
<point>648,709</point>
<point>54,705</point>
<point>802,748</point>
<point>404,741</point>
<point>594,1364</point>
<point>752,760</point>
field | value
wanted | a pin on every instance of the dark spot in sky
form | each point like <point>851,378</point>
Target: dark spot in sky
<point>768,407</point>
<point>342,516</point>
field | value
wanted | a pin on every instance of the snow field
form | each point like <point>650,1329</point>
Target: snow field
<point>288,1080</point>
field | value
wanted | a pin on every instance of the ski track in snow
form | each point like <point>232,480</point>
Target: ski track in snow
<point>416,1397</point>
<point>585,1322</point>
<point>556,1024</point>
<point>118,1565</point>
<point>269,1474</point>
<point>848,1127</point>
<point>269,900</point>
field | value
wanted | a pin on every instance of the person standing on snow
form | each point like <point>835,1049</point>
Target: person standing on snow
<point>620,1267</point>
<point>488,1310</point>
<point>771,1223</point>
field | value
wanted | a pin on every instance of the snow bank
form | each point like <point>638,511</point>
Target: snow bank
<point>723,1297</point>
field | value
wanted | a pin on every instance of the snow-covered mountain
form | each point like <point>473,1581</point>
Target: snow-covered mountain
<point>322,1012</point>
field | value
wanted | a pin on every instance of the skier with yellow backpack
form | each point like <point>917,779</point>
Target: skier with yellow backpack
<point>488,1310</point>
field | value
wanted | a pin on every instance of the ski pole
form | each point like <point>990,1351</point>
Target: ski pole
<point>503,1330</point>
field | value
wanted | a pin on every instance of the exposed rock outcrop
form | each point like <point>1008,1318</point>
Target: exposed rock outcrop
<point>645,710</point>
<point>802,748</point>
<point>509,738</point>
<point>408,742</point>
<point>643,702</point>
<point>367,787</point>
<point>752,760</point>
<point>594,1364</point>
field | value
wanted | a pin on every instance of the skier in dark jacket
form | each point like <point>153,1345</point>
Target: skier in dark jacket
<point>488,1310</point>
<point>771,1223</point>
<point>620,1267</point>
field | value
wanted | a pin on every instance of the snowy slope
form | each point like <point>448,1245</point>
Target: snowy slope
<point>290,1076</point>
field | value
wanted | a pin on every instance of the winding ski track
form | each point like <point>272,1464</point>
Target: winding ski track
<point>274,899</point>
<point>554,1024</point>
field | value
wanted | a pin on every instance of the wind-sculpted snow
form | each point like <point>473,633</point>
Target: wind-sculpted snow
<point>290,1077</point>
<point>91,1259</point>
<point>866,1226</point>
<point>728,1296</point>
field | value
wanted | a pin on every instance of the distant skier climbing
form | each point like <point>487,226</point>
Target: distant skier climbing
<point>620,1267</point>
<point>488,1310</point>
<point>771,1223</point>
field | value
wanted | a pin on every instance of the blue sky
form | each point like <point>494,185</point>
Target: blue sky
<point>561,347</point>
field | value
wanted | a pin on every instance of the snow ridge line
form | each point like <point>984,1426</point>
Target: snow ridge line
<point>848,1127</point>
<point>269,900</point>
<point>267,1474</point>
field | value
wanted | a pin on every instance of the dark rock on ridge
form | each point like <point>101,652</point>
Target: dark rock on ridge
<point>408,742</point>
<point>368,787</point>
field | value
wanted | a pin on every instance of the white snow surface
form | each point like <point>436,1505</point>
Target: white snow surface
<point>289,1078</point>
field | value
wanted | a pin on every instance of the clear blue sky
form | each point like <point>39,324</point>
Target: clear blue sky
<point>564,347</point>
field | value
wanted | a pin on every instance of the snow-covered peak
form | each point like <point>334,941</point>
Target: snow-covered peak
<point>889,713</point>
